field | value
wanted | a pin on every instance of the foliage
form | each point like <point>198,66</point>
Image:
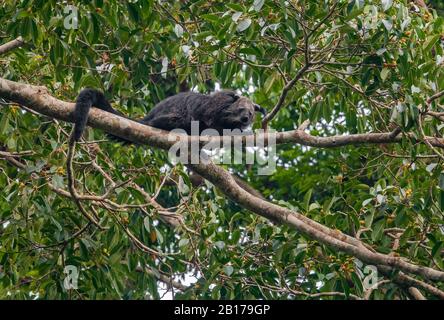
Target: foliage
<point>374,65</point>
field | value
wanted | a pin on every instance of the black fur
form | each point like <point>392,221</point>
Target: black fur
<point>220,110</point>
<point>86,99</point>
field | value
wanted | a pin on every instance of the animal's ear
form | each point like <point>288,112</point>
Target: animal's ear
<point>258,108</point>
<point>233,95</point>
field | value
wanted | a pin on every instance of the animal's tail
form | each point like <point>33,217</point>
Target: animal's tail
<point>86,99</point>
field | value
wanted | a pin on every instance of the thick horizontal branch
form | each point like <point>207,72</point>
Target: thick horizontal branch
<point>38,99</point>
<point>11,45</point>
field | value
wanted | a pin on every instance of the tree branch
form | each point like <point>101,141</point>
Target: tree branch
<point>435,96</point>
<point>416,294</point>
<point>38,99</point>
<point>284,94</point>
<point>11,45</point>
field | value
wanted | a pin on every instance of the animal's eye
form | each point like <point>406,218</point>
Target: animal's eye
<point>236,97</point>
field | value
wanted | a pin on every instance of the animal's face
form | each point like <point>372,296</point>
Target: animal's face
<point>235,112</point>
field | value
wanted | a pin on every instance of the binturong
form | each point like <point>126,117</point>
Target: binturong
<point>220,110</point>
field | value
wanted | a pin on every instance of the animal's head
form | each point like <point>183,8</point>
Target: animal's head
<point>232,110</point>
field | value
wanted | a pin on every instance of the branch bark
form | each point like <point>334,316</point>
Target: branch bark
<point>11,45</point>
<point>416,294</point>
<point>435,96</point>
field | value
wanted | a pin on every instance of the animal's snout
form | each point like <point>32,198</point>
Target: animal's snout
<point>246,115</point>
<point>245,119</point>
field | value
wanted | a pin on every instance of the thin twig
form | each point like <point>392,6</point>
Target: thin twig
<point>71,186</point>
<point>435,96</point>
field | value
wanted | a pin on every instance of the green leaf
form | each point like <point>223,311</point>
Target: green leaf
<point>385,72</point>
<point>133,10</point>
<point>235,7</point>
<point>211,18</point>
<point>243,24</point>
<point>430,42</point>
<point>437,248</point>
<point>378,229</point>
<point>228,270</point>
<point>4,123</point>
<point>307,198</point>
<point>441,180</point>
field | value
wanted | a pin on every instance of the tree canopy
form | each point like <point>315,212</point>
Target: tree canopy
<point>354,209</point>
